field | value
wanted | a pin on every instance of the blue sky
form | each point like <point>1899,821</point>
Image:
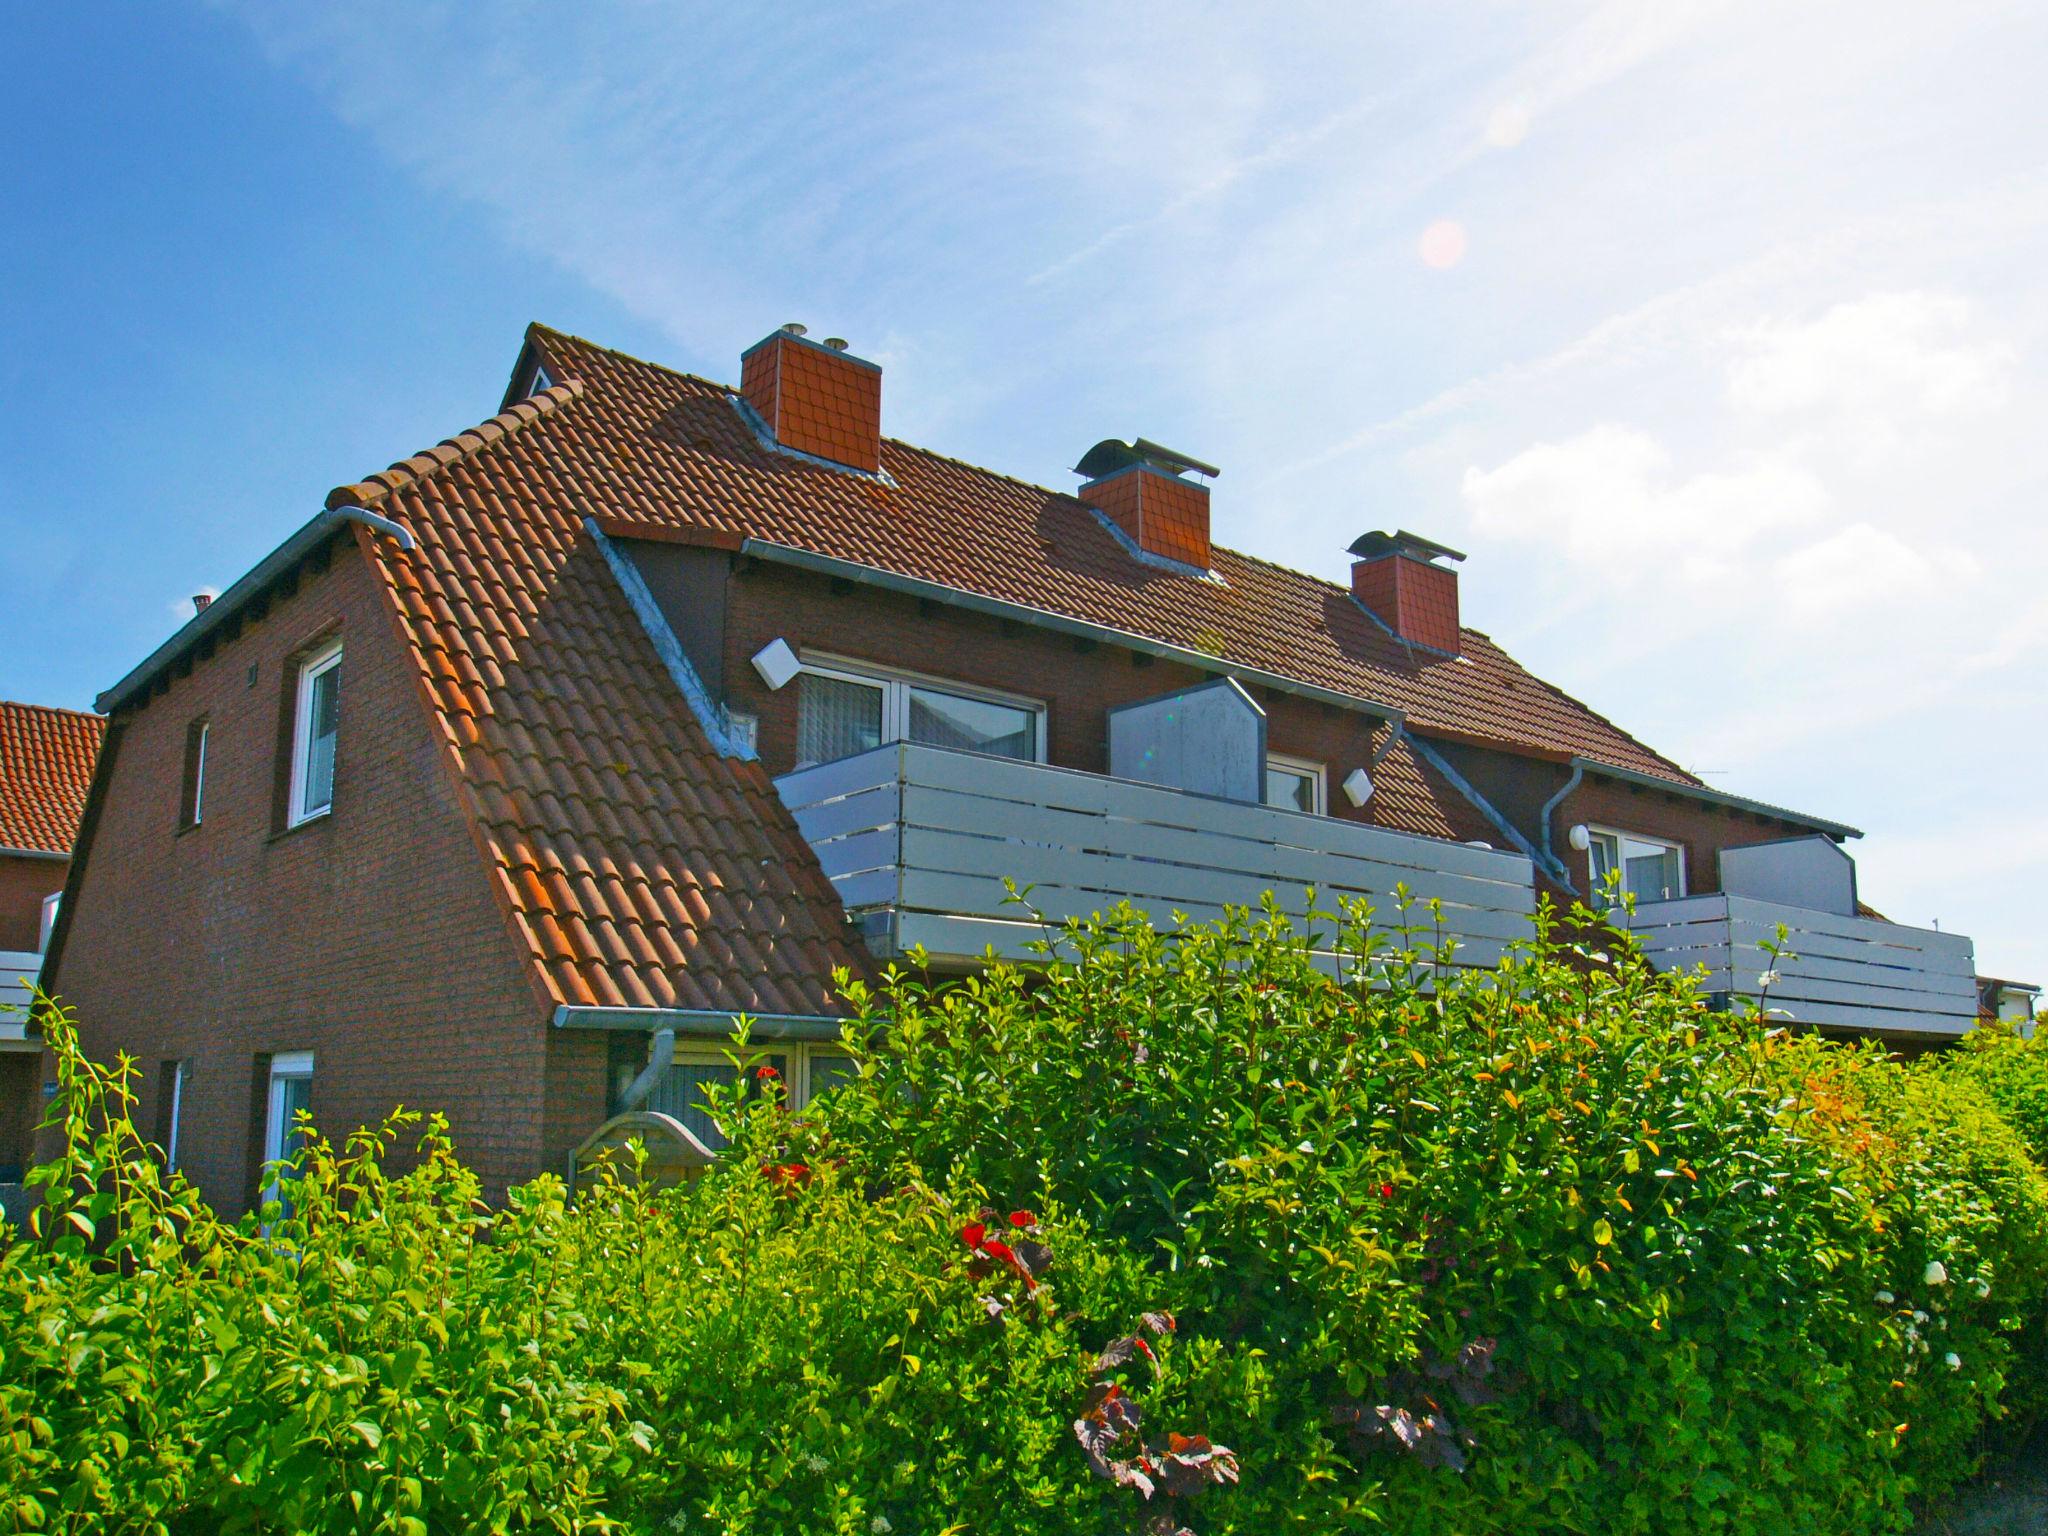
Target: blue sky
<point>1712,331</point>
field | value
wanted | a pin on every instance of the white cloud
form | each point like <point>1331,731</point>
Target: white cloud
<point>1609,499</point>
<point>1862,569</point>
<point>1891,357</point>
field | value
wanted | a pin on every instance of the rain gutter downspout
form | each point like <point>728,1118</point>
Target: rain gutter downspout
<point>661,1052</point>
<point>1550,809</point>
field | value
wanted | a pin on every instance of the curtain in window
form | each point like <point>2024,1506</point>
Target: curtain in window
<point>835,719</point>
<point>1653,873</point>
<point>974,725</point>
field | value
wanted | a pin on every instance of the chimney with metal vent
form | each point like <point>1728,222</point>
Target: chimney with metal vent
<point>1396,577</point>
<point>1143,489</point>
<point>815,399</point>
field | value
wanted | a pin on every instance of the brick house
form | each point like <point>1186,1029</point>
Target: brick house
<point>530,761</point>
<point>46,758</point>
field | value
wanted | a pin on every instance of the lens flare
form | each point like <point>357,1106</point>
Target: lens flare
<point>1442,245</point>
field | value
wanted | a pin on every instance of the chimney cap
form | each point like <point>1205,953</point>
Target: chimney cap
<point>1372,546</point>
<point>1113,454</point>
<point>796,328</point>
<point>836,343</point>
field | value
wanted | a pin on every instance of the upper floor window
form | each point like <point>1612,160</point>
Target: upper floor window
<point>1294,784</point>
<point>313,733</point>
<point>1650,868</point>
<point>843,709</point>
<point>192,800</point>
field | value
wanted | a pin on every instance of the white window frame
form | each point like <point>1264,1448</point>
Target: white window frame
<point>1312,771</point>
<point>797,1055</point>
<point>1621,862</point>
<point>285,1067</point>
<point>199,775</point>
<point>314,667</point>
<point>896,683</point>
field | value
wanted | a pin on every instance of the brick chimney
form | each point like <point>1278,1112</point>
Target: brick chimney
<point>1144,489</point>
<point>1396,577</point>
<point>817,399</point>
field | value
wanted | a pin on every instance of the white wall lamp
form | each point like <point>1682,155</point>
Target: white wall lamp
<point>1580,837</point>
<point>1358,786</point>
<point>776,663</point>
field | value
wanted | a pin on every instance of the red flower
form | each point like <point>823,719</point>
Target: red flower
<point>973,1233</point>
<point>1022,1219</point>
<point>786,1176</point>
<point>1386,1191</point>
<point>765,1073</point>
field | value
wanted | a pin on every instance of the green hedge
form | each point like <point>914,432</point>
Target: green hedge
<point>1550,1248</point>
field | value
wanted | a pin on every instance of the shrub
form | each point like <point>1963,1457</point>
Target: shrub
<point>1619,1258</point>
<point>1261,1227</point>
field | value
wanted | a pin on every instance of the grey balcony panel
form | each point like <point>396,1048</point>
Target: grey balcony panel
<point>920,841</point>
<point>1841,972</point>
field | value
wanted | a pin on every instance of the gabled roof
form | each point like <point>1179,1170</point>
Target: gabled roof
<point>637,866</point>
<point>666,447</point>
<point>46,758</point>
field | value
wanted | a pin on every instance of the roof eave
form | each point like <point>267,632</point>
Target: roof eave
<point>1716,797</point>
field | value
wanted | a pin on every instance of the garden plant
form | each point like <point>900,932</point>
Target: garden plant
<point>1254,1226</point>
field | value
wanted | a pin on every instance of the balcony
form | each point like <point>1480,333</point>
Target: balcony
<point>1858,973</point>
<point>17,969</point>
<point>918,840</point>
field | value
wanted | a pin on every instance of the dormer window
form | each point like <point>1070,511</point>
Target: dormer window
<point>844,709</point>
<point>1294,784</point>
<point>1650,869</point>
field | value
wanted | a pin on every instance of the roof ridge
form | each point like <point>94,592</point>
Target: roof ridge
<point>372,489</point>
<point>55,709</point>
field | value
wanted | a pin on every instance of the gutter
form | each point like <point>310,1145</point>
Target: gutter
<point>217,613</point>
<point>702,1023</point>
<point>1081,629</point>
<point>1585,765</point>
<point>32,853</point>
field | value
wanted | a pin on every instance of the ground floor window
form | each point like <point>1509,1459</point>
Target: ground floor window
<point>291,1091</point>
<point>806,1071</point>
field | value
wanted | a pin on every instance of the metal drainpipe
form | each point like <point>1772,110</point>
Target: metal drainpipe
<point>377,523</point>
<point>661,1051</point>
<point>1550,809</point>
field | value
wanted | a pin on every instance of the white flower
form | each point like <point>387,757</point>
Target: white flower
<point>1952,1360</point>
<point>1983,1287</point>
<point>1937,1273</point>
<point>1767,979</point>
<point>815,1462</point>
<point>1919,1317</point>
<point>1885,1298</point>
<point>880,1525</point>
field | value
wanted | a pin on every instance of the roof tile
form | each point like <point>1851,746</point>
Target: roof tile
<point>46,762</point>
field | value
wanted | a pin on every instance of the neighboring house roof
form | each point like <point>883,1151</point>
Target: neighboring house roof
<point>46,758</point>
<point>658,446</point>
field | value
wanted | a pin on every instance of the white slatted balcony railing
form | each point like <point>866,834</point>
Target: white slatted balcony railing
<point>17,969</point>
<point>1857,973</point>
<point>918,841</point>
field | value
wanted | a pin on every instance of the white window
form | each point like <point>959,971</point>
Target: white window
<point>1650,868</point>
<point>313,735</point>
<point>1294,784</point>
<point>843,709</point>
<point>291,1090</point>
<point>806,1071</point>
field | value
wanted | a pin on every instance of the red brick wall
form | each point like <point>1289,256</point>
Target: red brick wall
<point>1160,513</point>
<point>1702,830</point>
<point>1414,598</point>
<point>1078,685</point>
<point>816,400</point>
<point>369,936</point>
<point>23,885</point>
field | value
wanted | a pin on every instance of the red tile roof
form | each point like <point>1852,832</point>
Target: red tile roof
<point>637,865</point>
<point>46,758</point>
<point>664,447</point>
